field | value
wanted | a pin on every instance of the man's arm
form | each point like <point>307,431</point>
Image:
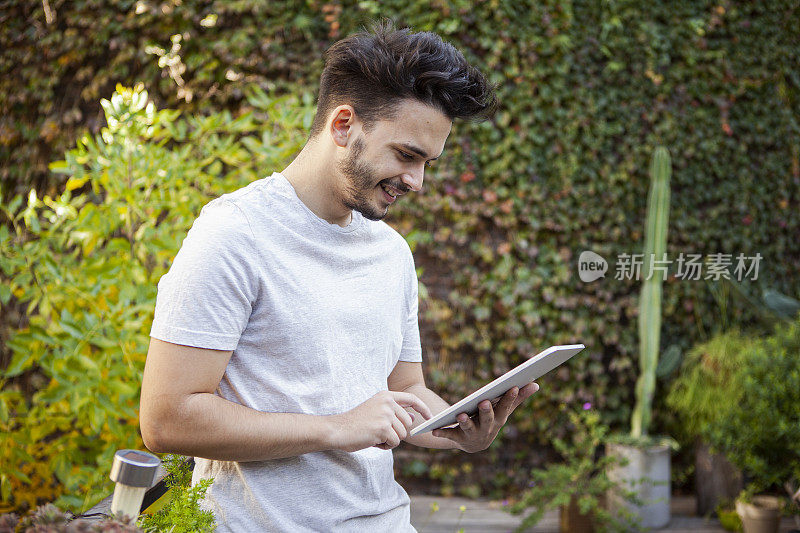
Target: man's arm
<point>470,435</point>
<point>179,413</point>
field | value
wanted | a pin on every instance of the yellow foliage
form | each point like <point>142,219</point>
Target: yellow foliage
<point>42,486</point>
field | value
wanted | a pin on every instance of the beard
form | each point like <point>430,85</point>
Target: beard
<point>360,180</point>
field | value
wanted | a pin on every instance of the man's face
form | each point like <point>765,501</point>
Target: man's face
<point>391,159</point>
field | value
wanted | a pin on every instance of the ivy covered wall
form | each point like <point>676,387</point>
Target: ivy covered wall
<point>587,90</point>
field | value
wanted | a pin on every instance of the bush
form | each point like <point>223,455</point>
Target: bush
<point>183,513</point>
<point>86,265</point>
<point>581,478</point>
<point>709,384</point>
<point>761,433</point>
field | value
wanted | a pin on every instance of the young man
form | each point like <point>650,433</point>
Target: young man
<point>285,352</point>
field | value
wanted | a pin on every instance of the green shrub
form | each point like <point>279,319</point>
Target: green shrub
<point>709,384</point>
<point>760,433</point>
<point>86,265</point>
<point>182,514</point>
<point>738,392</point>
<point>581,476</point>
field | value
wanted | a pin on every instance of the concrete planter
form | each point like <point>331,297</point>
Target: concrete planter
<point>648,475</point>
<point>761,515</point>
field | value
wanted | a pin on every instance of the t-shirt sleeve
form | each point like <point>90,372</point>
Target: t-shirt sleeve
<point>206,298</point>
<point>411,350</point>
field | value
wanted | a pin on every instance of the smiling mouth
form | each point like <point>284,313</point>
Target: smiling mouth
<point>390,193</point>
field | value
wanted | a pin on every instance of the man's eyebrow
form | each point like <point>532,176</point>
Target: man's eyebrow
<point>419,151</point>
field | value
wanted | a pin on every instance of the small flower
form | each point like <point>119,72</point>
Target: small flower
<point>587,406</point>
<point>462,508</point>
<point>505,503</point>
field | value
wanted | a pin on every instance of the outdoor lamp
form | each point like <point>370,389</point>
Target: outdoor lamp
<point>133,472</point>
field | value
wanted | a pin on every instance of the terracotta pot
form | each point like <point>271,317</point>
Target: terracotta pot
<point>761,515</point>
<point>572,521</point>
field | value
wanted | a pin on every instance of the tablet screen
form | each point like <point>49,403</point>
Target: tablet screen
<point>532,369</point>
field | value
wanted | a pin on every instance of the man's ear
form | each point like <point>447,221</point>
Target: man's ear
<point>342,123</point>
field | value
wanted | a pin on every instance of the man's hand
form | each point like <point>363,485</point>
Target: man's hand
<point>470,436</point>
<point>381,421</point>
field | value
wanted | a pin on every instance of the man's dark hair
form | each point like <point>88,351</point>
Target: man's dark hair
<point>373,71</point>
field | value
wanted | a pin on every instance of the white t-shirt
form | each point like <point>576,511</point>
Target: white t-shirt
<point>317,316</point>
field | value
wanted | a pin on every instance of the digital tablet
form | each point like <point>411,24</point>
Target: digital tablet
<point>532,369</point>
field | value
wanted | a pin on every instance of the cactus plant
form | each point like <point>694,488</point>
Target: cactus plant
<point>655,246</point>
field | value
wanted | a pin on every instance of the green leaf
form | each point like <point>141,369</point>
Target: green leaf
<point>60,167</point>
<point>103,343</point>
<point>89,364</point>
<point>13,206</point>
<point>669,361</point>
<point>5,487</point>
<point>20,362</point>
<point>3,409</point>
<point>122,389</point>
<point>782,305</point>
<point>5,294</point>
<point>71,329</point>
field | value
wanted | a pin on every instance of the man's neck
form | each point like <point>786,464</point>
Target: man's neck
<point>311,176</point>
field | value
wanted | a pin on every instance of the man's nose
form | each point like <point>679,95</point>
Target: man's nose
<point>413,178</point>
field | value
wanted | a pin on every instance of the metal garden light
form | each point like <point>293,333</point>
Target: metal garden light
<point>133,472</point>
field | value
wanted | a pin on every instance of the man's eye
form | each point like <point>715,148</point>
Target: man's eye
<point>409,157</point>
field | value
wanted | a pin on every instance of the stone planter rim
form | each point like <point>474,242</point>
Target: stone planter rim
<point>652,449</point>
<point>759,504</point>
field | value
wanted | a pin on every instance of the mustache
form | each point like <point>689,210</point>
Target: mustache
<point>399,186</point>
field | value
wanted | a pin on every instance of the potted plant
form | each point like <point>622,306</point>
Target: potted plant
<point>647,459</point>
<point>762,434</point>
<point>578,484</point>
<point>727,516</point>
<point>760,513</point>
<point>707,387</point>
